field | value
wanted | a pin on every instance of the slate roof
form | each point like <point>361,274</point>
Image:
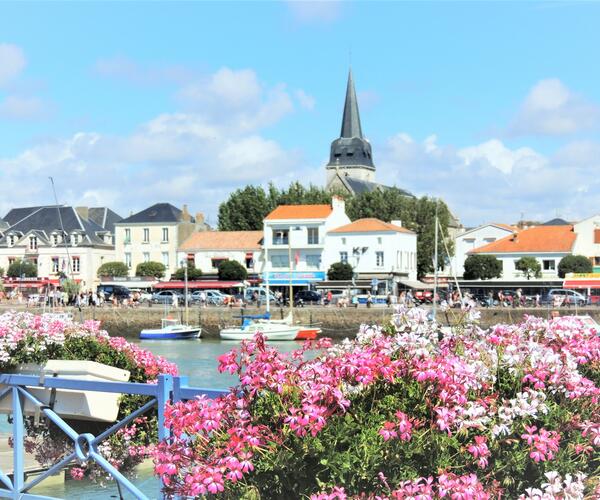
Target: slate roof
<point>300,212</point>
<point>104,217</point>
<point>556,222</point>
<point>159,212</point>
<point>44,221</point>
<point>223,240</point>
<point>540,239</point>
<point>370,225</point>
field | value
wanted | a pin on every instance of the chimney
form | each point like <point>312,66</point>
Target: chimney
<point>185,215</point>
<point>338,203</point>
<point>83,212</point>
<point>199,218</point>
<point>397,223</point>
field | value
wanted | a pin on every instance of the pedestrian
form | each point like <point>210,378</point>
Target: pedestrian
<point>409,299</point>
<point>203,298</point>
<point>175,301</point>
<point>537,299</point>
<point>388,300</point>
<point>355,301</point>
<point>329,297</point>
<point>369,299</point>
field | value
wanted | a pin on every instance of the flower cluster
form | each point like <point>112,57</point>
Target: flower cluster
<point>446,412</point>
<point>28,338</point>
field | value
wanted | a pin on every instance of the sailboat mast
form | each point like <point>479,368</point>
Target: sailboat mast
<point>435,262</point>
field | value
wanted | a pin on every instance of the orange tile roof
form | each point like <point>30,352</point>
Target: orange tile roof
<point>370,225</point>
<point>505,226</point>
<point>223,240</point>
<point>534,239</point>
<point>300,212</point>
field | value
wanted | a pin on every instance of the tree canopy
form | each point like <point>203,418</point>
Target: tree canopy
<point>151,268</point>
<point>20,268</point>
<point>340,271</point>
<point>482,267</point>
<point>574,264</point>
<point>529,266</point>
<point>117,269</point>
<point>232,270</point>
<point>193,272</point>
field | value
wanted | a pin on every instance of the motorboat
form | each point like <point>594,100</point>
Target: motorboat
<point>271,331</point>
<point>304,332</point>
<point>171,329</point>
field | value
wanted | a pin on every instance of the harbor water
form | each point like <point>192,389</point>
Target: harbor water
<point>195,358</point>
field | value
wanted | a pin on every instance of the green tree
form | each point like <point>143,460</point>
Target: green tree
<point>482,267</point>
<point>113,269</point>
<point>232,270</point>
<point>71,287</point>
<point>340,271</point>
<point>574,264</point>
<point>151,268</point>
<point>20,268</point>
<point>529,266</point>
<point>192,271</point>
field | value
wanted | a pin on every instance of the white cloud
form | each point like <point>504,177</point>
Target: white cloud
<point>22,107</point>
<point>551,108</point>
<point>493,182</point>
<point>306,101</point>
<point>311,11</point>
<point>12,62</point>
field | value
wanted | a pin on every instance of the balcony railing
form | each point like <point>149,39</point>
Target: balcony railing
<point>281,241</point>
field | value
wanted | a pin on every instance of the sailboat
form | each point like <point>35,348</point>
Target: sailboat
<point>171,328</point>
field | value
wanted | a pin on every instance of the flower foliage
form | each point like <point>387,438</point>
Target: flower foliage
<point>404,411</point>
<point>26,338</point>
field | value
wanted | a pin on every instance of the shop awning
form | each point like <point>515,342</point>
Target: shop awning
<point>582,283</point>
<point>172,285</point>
<point>419,285</point>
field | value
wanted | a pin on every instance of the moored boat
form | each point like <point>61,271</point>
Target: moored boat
<point>171,329</point>
<point>304,332</point>
<point>271,331</point>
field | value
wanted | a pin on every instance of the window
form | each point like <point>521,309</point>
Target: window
<point>489,240</point>
<point>76,263</point>
<point>313,261</point>
<point>379,240</point>
<point>127,236</point>
<point>55,264</point>
<point>596,235</point>
<point>54,240</point>
<point>548,265</point>
<point>343,241</point>
<point>128,260</point>
<point>11,241</point>
<point>146,256</point>
<point>165,232</point>
<point>11,260</point>
<point>344,257</point>
<point>146,235</point>
<point>75,239</point>
<point>165,259</point>
<point>33,243</point>
<point>217,262</point>
<point>280,261</point>
<point>280,237</point>
<point>596,261</point>
<point>379,259</point>
<point>313,235</point>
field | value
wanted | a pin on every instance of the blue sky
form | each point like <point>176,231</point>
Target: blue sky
<point>495,107</point>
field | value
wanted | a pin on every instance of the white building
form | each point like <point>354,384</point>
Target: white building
<point>474,238</point>
<point>294,241</point>
<point>207,249</point>
<point>587,242</point>
<point>375,249</point>
<point>155,234</point>
<point>548,244</point>
<point>61,240</point>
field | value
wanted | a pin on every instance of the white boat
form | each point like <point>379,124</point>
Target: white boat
<point>271,331</point>
<point>304,332</point>
<point>171,329</point>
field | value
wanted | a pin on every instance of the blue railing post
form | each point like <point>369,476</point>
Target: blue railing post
<point>18,445</point>
<point>164,395</point>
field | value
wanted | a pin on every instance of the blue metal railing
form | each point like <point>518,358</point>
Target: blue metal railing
<point>85,446</point>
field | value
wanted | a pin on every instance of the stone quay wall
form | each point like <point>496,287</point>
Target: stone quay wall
<point>335,322</point>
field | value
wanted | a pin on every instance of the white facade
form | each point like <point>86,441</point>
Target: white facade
<point>374,252</point>
<point>548,262</point>
<point>472,239</point>
<point>587,242</point>
<point>300,239</point>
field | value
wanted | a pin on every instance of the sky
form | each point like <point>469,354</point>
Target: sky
<point>493,107</point>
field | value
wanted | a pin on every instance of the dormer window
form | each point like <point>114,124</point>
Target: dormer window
<point>33,243</point>
<point>11,240</point>
<point>55,240</point>
<point>75,240</point>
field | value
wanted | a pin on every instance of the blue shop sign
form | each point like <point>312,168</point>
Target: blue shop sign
<point>298,277</point>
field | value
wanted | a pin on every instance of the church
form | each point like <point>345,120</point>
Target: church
<point>351,169</point>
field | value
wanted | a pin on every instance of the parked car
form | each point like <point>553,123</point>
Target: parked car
<point>118,291</point>
<point>212,297</point>
<point>307,297</point>
<point>166,297</point>
<point>262,294</point>
<point>144,296</point>
<point>561,297</point>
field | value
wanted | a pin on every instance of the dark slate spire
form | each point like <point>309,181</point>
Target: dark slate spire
<point>351,149</point>
<point>351,120</point>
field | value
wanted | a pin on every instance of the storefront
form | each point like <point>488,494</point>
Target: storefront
<point>586,283</point>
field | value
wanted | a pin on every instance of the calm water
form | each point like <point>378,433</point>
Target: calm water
<point>195,358</point>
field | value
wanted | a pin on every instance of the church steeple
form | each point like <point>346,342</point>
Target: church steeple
<point>351,120</point>
<point>351,152</point>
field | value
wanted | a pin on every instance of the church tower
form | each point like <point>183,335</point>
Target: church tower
<point>351,153</point>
